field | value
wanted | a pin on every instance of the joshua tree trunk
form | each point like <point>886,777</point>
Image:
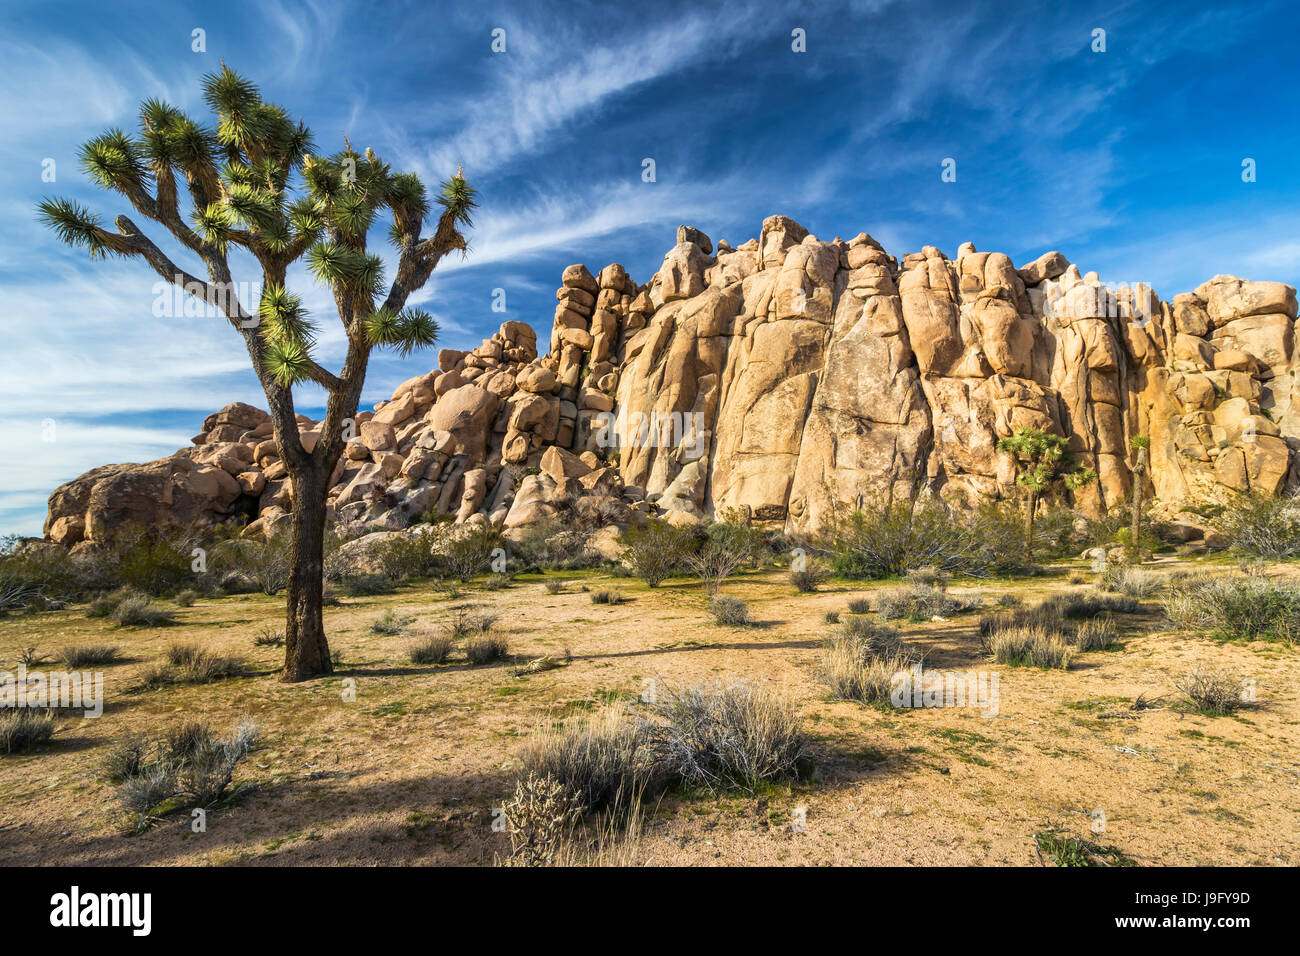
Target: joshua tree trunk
<point>1139,468</point>
<point>1031,505</point>
<point>307,653</point>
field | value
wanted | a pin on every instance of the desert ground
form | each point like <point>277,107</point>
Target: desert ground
<point>411,771</point>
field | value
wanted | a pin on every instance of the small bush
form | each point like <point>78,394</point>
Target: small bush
<point>539,820</point>
<point>189,766</point>
<point>390,623</point>
<point>269,636</point>
<point>1095,635</point>
<point>498,582</point>
<point>484,648</point>
<point>852,674</point>
<point>466,550</point>
<point>1130,581</point>
<point>918,601</point>
<point>809,576</point>
<point>554,585</point>
<point>1065,849</point>
<point>185,598</point>
<point>139,611</point>
<point>21,729</point>
<point>860,605</point>
<point>1029,647</point>
<point>657,549</point>
<point>1090,605</point>
<point>730,611</point>
<point>1211,691</point>
<point>1008,600</point>
<point>189,664</point>
<point>89,655</point>
<point>732,737</point>
<point>1252,608</point>
<point>1267,526</point>
<point>432,649</point>
<point>832,617</point>
<point>403,556</point>
<point>366,585</point>
<point>607,596</point>
<point>608,759</point>
<point>929,576</point>
<point>466,619</point>
<point>875,640</point>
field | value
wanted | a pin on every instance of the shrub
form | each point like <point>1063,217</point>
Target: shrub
<point>1252,608</point>
<point>1065,849</point>
<point>402,556</point>
<point>1027,646</point>
<point>607,759</point>
<point>1090,605</point>
<point>1130,581</point>
<point>1096,634</point>
<point>730,611</point>
<point>185,598</point>
<point>139,611</point>
<point>919,601</point>
<point>390,623</point>
<point>868,639</point>
<point>732,737</point>
<point>860,605</point>
<point>269,636</point>
<point>852,675</point>
<point>657,549</point>
<point>498,582</point>
<point>1008,600</point>
<point>466,550</point>
<point>730,544</point>
<point>832,617</point>
<point>552,544</point>
<point>189,766</point>
<point>22,728</point>
<point>554,585</point>
<point>89,655</point>
<point>808,575</point>
<point>148,560</point>
<point>929,576</point>
<point>607,596</point>
<point>366,585</point>
<point>484,648</point>
<point>539,819</point>
<point>34,570</point>
<point>466,619</point>
<point>1211,691</point>
<point>1260,524</point>
<point>189,664</point>
<point>431,649</point>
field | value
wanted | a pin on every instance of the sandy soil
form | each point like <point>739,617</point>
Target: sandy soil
<point>409,773</point>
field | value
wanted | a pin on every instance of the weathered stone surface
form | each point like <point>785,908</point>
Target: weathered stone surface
<point>786,377</point>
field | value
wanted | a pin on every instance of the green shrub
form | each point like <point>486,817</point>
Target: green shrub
<point>185,598</point>
<point>366,585</point>
<point>808,575</point>
<point>920,602</point>
<point>138,610</point>
<point>1252,608</point>
<point>403,556</point>
<point>467,550</point>
<point>390,623</point>
<point>1267,526</point>
<point>657,550</point>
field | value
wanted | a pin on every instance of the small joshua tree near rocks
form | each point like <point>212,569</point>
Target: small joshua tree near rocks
<point>1140,444</point>
<point>1044,459</point>
<point>254,182</point>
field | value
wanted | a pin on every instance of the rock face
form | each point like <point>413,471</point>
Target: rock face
<point>781,377</point>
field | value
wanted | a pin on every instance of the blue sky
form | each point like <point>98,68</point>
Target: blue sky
<point>1128,161</point>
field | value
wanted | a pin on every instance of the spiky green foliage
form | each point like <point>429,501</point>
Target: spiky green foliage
<point>1045,458</point>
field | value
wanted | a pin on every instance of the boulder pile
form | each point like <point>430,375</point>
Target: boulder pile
<point>781,377</point>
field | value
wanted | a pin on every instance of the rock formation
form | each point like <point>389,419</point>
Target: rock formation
<point>780,376</point>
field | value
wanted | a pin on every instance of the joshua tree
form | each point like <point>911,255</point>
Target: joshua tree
<point>254,182</point>
<point>1139,444</point>
<point>1045,459</point>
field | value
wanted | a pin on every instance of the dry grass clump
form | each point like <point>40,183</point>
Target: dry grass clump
<point>486,647</point>
<point>732,737</point>
<point>89,655</point>
<point>188,766</point>
<point>467,619</point>
<point>391,623</point>
<point>190,664</point>
<point>128,607</point>
<point>269,636</point>
<point>430,649</point>
<point>920,602</point>
<point>1029,646</point>
<point>607,759</point>
<point>186,598</point>
<point>607,596</point>
<point>1096,634</point>
<point>860,659</point>
<point>554,585</point>
<point>1249,607</point>
<point>1130,581</point>
<point>860,605</point>
<point>729,611</point>
<point>22,728</point>
<point>809,576</point>
<point>539,820</point>
<point>1215,692</point>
